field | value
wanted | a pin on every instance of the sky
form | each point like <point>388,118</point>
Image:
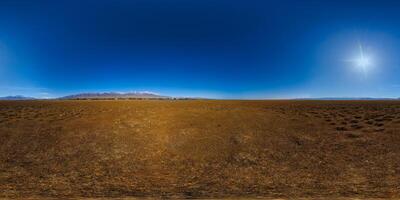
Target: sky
<point>201,48</point>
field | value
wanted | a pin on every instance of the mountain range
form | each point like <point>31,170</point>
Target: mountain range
<point>116,95</point>
<point>150,95</point>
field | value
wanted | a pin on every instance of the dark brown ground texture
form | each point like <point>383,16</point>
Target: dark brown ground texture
<point>200,149</point>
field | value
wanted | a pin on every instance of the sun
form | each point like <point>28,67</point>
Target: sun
<point>362,60</point>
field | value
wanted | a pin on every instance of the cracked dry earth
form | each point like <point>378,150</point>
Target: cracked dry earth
<point>200,149</point>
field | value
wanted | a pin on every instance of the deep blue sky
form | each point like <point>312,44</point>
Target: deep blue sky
<point>221,49</point>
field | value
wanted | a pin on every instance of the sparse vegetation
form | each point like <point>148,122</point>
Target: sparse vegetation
<point>197,149</point>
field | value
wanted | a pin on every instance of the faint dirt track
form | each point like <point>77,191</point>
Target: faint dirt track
<point>200,149</point>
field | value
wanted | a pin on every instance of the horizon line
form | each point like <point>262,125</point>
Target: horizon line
<point>23,97</point>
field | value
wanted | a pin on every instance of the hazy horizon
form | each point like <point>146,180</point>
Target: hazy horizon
<point>216,98</point>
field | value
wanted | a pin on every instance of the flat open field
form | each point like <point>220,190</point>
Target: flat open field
<point>200,149</point>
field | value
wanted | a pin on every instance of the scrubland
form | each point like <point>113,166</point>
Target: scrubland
<point>200,149</point>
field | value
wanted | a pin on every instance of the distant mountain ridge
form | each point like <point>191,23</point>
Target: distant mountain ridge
<point>151,95</point>
<point>16,97</point>
<point>116,95</point>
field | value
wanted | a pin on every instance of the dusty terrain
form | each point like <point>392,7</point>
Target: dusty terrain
<point>200,149</point>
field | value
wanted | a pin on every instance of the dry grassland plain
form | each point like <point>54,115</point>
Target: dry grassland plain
<point>200,149</point>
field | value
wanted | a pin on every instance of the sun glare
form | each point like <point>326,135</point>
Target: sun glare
<point>362,60</point>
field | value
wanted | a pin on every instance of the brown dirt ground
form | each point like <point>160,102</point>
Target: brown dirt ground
<point>200,149</point>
